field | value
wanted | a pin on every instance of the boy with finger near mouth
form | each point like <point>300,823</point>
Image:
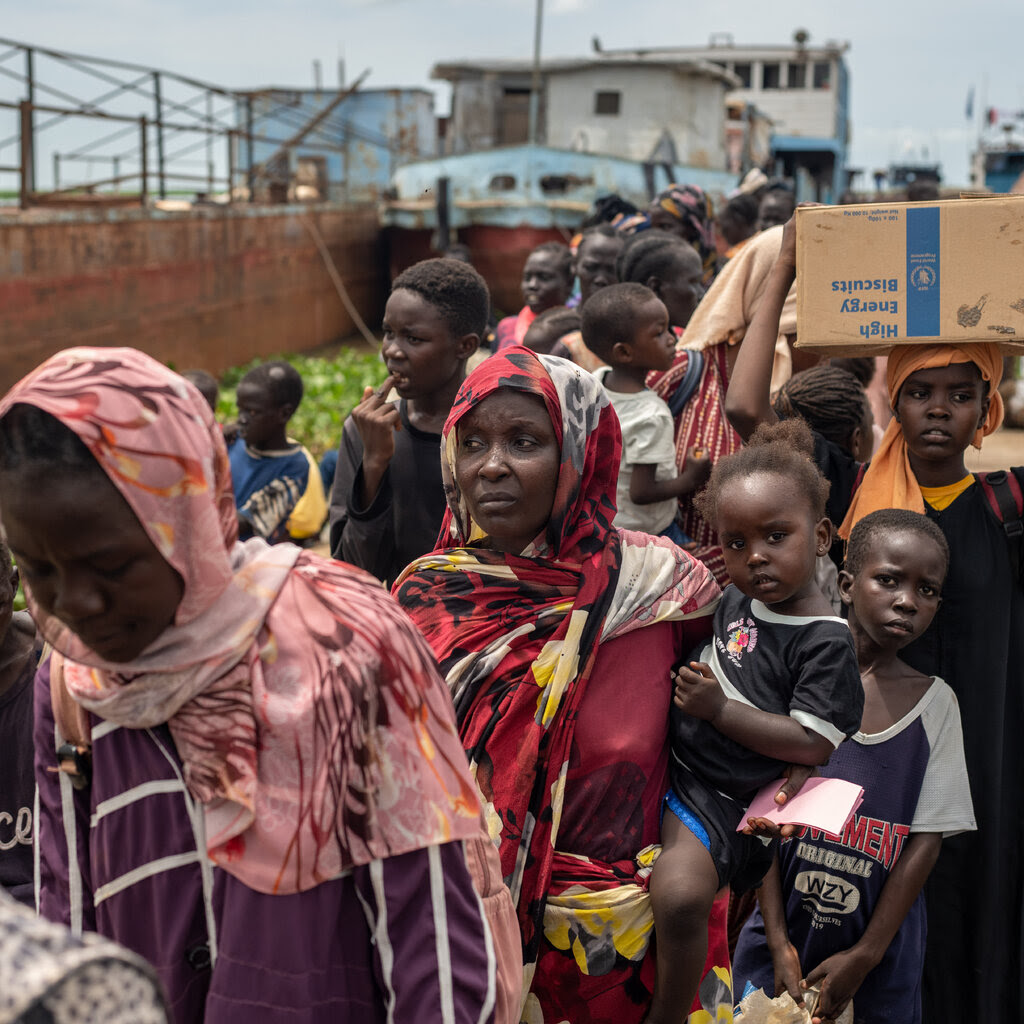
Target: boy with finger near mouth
<point>388,501</point>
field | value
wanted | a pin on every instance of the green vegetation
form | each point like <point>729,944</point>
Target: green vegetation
<point>333,388</point>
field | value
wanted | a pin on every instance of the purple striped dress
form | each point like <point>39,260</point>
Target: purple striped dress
<point>398,939</point>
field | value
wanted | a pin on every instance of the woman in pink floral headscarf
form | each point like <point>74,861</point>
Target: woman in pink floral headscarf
<point>280,815</point>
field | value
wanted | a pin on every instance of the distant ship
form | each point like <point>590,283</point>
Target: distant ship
<point>998,163</point>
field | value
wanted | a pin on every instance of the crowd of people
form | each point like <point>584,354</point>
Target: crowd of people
<point>596,578</point>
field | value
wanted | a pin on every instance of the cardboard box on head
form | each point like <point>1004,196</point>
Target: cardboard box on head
<point>870,277</point>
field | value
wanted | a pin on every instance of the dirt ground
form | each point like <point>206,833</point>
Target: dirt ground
<point>1001,450</point>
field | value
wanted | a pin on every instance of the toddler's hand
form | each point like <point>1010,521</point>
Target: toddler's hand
<point>766,829</point>
<point>697,467</point>
<point>697,691</point>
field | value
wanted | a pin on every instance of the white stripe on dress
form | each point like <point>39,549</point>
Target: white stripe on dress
<point>103,728</point>
<point>37,867</point>
<point>381,937</point>
<point>70,823</point>
<point>723,679</point>
<point>441,945</point>
<point>197,818</point>
<point>141,873</point>
<point>131,796</point>
<point>492,961</point>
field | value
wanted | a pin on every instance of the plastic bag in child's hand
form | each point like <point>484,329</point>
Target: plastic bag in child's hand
<point>757,1008</point>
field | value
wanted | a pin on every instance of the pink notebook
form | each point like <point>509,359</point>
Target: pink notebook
<point>827,804</point>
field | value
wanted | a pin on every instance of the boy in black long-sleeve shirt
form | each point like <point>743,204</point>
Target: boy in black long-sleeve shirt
<point>387,501</point>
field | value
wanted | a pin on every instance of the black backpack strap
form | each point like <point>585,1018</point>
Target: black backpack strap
<point>1003,492</point>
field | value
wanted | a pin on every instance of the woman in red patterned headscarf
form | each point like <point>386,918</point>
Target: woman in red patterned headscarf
<point>556,633</point>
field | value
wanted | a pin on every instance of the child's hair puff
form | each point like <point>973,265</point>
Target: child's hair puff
<point>784,449</point>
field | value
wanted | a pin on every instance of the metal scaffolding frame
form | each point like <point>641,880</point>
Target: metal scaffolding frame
<point>162,132</point>
<point>50,85</point>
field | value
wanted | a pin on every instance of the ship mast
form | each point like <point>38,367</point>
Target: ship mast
<point>535,81</point>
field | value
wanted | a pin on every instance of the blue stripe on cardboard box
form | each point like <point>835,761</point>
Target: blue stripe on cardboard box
<point>923,272</point>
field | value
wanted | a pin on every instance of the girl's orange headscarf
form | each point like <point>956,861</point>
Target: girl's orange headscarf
<point>889,481</point>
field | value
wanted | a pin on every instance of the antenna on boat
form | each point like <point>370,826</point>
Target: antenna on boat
<point>535,80</point>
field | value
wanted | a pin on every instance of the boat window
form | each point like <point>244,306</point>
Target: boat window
<point>771,75</point>
<point>797,75</point>
<point>502,183</point>
<point>742,71</point>
<point>563,182</point>
<point>607,102</point>
<point>822,74</point>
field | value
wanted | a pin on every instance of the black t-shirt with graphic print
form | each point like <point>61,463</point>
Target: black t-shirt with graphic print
<point>801,666</point>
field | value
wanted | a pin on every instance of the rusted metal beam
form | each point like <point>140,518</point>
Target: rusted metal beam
<point>144,169</point>
<point>88,186</point>
<point>159,122</point>
<point>231,166</point>
<point>27,173</point>
<point>30,95</point>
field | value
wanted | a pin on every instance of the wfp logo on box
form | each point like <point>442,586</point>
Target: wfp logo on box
<point>923,277</point>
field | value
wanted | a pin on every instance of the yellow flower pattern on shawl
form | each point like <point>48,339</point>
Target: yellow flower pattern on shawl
<point>557,666</point>
<point>586,923</point>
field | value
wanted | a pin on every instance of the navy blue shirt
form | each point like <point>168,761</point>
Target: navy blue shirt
<point>915,780</point>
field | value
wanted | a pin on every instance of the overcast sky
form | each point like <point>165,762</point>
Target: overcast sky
<point>911,64</point>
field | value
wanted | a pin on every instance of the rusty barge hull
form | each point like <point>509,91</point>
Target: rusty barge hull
<point>208,288</point>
